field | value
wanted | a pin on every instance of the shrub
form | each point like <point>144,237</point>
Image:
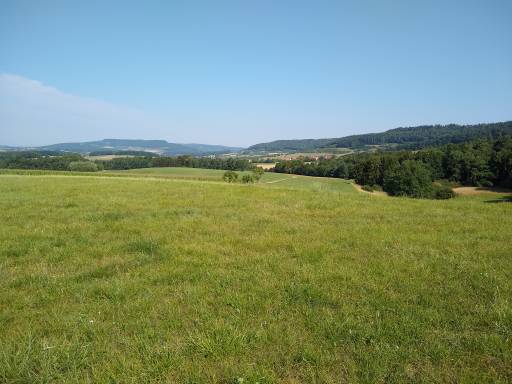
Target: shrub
<point>257,173</point>
<point>367,188</point>
<point>83,166</point>
<point>410,178</point>
<point>484,183</point>
<point>230,176</point>
<point>442,192</point>
<point>246,179</point>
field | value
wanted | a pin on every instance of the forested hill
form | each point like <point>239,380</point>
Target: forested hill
<point>158,146</point>
<point>290,145</point>
<point>404,138</point>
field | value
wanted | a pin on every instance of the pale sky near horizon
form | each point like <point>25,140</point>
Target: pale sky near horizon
<point>243,72</point>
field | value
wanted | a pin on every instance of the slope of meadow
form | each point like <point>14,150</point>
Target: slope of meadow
<point>269,179</point>
<point>126,279</point>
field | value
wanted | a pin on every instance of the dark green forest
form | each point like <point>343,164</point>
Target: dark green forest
<point>60,161</point>
<point>398,138</point>
<point>232,163</point>
<point>50,160</point>
<point>482,162</point>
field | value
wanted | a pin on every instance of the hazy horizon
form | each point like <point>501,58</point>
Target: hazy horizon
<point>222,144</point>
<point>238,74</point>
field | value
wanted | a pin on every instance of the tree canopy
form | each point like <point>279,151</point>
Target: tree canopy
<point>483,162</point>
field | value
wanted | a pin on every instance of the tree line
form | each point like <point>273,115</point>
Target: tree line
<point>231,163</point>
<point>48,160</point>
<point>483,162</point>
<point>426,135</point>
<point>61,161</point>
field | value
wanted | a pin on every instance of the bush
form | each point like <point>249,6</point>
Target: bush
<point>230,176</point>
<point>442,192</point>
<point>484,183</point>
<point>371,188</point>
<point>246,179</point>
<point>257,173</point>
<point>83,166</point>
<point>411,178</point>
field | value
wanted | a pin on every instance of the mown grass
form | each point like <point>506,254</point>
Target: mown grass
<point>179,172</point>
<point>278,180</point>
<point>269,179</point>
<point>133,280</point>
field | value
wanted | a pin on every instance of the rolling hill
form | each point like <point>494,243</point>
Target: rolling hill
<point>290,145</point>
<point>156,146</point>
<point>404,138</point>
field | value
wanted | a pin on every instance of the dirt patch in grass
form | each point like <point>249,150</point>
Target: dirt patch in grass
<point>376,193</point>
<point>472,191</point>
<point>265,165</point>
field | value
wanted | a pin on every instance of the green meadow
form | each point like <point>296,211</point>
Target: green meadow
<point>173,276</point>
<point>280,180</point>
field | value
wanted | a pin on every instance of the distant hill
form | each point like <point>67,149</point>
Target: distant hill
<point>426,135</point>
<point>161,147</point>
<point>109,152</point>
<point>405,138</point>
<point>7,148</point>
<point>290,145</point>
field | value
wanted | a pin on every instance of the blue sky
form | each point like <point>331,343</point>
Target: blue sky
<point>242,72</point>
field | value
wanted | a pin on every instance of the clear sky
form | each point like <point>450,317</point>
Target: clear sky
<point>242,72</point>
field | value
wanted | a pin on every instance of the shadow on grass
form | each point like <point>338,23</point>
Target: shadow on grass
<point>502,199</point>
<point>494,189</point>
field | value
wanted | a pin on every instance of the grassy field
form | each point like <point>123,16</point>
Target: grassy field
<point>178,172</point>
<point>269,179</point>
<point>278,180</point>
<point>164,277</point>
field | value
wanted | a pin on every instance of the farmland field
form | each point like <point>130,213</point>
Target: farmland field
<point>280,180</point>
<point>170,275</point>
